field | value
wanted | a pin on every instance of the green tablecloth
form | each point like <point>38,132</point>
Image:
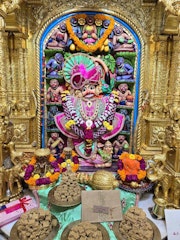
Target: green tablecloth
<point>68,215</point>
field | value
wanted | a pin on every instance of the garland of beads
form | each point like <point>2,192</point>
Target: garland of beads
<point>136,165</point>
<point>36,180</point>
<point>64,164</point>
<point>102,119</point>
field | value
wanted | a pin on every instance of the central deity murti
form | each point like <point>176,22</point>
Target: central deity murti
<point>89,117</point>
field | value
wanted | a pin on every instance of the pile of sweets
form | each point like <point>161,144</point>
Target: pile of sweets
<point>68,190</point>
<point>35,224</point>
<point>85,230</point>
<point>135,225</point>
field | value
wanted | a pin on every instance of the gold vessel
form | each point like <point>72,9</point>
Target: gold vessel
<point>100,180</point>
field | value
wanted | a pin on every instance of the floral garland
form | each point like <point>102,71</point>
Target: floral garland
<point>73,164</point>
<point>88,129</point>
<point>99,43</point>
<point>131,167</point>
<point>102,119</point>
<point>36,180</point>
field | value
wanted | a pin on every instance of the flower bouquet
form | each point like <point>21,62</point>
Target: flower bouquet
<point>131,168</point>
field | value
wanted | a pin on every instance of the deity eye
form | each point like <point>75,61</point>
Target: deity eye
<point>92,87</point>
<point>84,89</point>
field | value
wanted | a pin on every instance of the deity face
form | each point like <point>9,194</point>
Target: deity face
<point>119,61</point>
<point>59,57</point>
<point>62,27</point>
<point>54,136</point>
<point>89,91</point>
<point>106,23</point>
<point>123,87</point>
<point>108,147</point>
<point>54,83</point>
<point>74,22</point>
<point>90,20</point>
<point>121,138</point>
<point>118,30</point>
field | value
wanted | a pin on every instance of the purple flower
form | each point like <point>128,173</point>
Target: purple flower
<point>75,160</point>
<point>130,178</point>
<point>54,164</point>
<point>60,160</point>
<point>120,165</point>
<point>56,170</point>
<point>28,172</point>
<point>142,164</point>
<point>42,181</point>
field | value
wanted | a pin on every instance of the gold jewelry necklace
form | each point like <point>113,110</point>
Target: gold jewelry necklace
<point>89,114</point>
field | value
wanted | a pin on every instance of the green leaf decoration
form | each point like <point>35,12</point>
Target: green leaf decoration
<point>110,62</point>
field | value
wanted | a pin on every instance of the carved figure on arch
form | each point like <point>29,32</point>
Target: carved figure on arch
<point>59,38</point>
<point>120,145</point>
<point>124,71</point>
<point>54,91</point>
<point>77,30</point>
<point>127,122</point>
<point>122,41</point>
<point>53,110</point>
<point>89,32</point>
<point>54,66</point>
<point>125,95</point>
<point>55,143</point>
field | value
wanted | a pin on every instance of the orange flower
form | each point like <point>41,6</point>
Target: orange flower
<point>122,174</point>
<point>73,153</point>
<point>124,155</point>
<point>141,174</point>
<point>51,158</point>
<point>33,161</point>
<point>54,177</point>
<point>138,157</point>
<point>31,181</point>
<point>131,166</point>
<point>75,167</point>
<point>63,155</point>
<point>99,43</point>
<point>131,163</point>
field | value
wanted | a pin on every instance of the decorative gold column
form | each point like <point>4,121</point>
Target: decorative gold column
<point>24,109</point>
<point>173,157</point>
<point>156,119</point>
<point>2,58</point>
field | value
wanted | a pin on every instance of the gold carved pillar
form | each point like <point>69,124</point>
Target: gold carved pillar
<point>157,117</point>
<point>23,113</point>
<point>173,130</point>
<point>14,82</point>
<point>2,58</point>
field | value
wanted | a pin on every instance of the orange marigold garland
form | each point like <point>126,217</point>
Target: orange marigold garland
<point>72,164</point>
<point>90,48</point>
<point>34,179</point>
<point>131,167</point>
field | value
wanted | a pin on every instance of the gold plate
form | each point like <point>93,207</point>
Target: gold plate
<point>52,234</point>
<point>65,233</point>
<point>156,232</point>
<point>55,202</point>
